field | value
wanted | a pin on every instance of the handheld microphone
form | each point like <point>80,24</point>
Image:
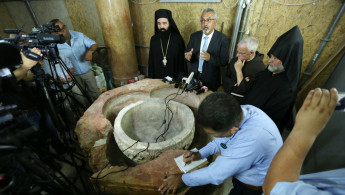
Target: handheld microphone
<point>188,80</point>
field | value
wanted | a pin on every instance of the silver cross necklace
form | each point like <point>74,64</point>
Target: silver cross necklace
<point>165,61</point>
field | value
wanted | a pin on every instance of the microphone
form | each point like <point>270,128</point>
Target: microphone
<point>188,80</point>
<point>193,85</point>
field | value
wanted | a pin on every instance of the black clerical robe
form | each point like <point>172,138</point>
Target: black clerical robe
<point>272,94</point>
<point>175,57</point>
<point>249,69</point>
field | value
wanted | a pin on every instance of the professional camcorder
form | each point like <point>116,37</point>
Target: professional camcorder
<point>40,37</point>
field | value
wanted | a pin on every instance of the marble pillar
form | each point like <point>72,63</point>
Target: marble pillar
<point>118,37</point>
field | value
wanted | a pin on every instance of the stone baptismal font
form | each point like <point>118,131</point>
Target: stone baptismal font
<point>132,134</point>
<point>153,126</point>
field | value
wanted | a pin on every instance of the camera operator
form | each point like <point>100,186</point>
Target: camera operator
<point>11,90</point>
<point>16,92</point>
<point>78,48</point>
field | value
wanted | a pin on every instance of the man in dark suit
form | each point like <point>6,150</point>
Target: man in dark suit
<point>207,50</point>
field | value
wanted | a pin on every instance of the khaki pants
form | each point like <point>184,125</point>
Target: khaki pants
<point>88,83</point>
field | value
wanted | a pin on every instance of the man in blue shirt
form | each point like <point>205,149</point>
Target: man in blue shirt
<point>78,48</point>
<point>246,138</point>
<point>284,173</point>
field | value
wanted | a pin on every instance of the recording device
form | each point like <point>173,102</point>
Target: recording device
<point>194,85</point>
<point>203,89</point>
<point>167,79</point>
<point>40,38</point>
<point>190,78</point>
<point>190,84</point>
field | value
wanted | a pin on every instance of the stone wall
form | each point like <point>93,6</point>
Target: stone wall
<point>267,20</point>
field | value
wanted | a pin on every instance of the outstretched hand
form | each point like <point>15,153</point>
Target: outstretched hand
<point>205,56</point>
<point>316,111</point>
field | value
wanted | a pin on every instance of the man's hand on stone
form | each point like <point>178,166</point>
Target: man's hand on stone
<point>205,56</point>
<point>188,55</point>
<point>171,184</point>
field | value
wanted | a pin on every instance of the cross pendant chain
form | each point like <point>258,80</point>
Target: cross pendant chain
<point>165,61</point>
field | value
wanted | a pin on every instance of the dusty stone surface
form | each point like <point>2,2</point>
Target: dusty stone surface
<point>96,124</point>
<point>140,131</point>
<point>141,179</point>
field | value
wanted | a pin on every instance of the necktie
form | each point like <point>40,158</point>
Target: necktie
<point>204,47</point>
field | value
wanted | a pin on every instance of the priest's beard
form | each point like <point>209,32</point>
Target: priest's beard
<point>274,69</point>
<point>164,34</point>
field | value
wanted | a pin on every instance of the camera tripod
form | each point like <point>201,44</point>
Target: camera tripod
<point>63,100</point>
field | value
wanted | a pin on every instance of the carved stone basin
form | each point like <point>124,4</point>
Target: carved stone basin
<point>145,129</point>
<point>96,137</point>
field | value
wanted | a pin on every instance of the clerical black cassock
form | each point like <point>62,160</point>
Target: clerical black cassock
<point>275,93</point>
<point>167,44</point>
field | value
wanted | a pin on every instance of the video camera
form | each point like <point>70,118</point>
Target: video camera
<point>40,37</point>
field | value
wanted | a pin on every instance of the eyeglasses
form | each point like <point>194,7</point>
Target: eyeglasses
<point>241,53</point>
<point>207,20</point>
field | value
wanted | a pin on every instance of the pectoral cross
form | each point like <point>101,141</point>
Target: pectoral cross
<point>165,61</point>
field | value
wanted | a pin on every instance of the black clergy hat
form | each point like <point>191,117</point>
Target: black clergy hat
<point>288,48</point>
<point>164,13</point>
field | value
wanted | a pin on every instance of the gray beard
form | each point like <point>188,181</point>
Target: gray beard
<point>206,31</point>
<point>274,69</point>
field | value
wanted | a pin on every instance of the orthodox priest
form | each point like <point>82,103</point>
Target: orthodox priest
<point>167,48</point>
<point>275,88</point>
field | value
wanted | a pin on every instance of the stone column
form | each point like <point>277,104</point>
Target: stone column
<point>118,37</point>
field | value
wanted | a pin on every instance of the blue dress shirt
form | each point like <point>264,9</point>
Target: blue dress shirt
<point>248,154</point>
<point>325,183</point>
<point>76,52</point>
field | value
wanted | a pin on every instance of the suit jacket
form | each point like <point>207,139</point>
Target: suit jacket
<point>219,56</point>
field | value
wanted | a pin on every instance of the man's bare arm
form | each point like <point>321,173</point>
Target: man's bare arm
<point>21,72</point>
<point>310,120</point>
